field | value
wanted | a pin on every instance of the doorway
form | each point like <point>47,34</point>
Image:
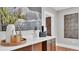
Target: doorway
<point>48,25</point>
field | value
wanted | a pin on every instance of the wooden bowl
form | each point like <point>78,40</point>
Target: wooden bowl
<point>4,43</point>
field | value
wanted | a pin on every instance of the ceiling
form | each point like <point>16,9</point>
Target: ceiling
<point>59,8</point>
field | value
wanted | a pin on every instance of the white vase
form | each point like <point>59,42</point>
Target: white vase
<point>10,32</point>
<point>36,34</point>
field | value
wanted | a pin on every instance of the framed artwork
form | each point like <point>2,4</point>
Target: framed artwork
<point>71,26</point>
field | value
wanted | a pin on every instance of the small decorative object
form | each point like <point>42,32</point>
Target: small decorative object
<point>42,33</point>
<point>10,32</point>
<point>36,33</point>
<point>16,39</point>
<point>20,24</point>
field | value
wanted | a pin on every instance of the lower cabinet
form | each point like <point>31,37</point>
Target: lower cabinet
<point>51,45</point>
<point>42,46</point>
<point>37,47</point>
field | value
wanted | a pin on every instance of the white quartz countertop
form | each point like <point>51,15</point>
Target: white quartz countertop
<point>28,42</point>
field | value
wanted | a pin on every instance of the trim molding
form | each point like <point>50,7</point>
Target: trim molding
<point>67,46</point>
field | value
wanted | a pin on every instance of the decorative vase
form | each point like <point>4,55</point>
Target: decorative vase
<point>10,31</point>
<point>4,26</point>
<point>16,39</point>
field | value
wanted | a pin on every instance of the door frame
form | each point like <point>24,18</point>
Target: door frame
<point>48,14</point>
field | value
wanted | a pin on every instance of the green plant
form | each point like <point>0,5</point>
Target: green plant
<point>7,17</point>
<point>19,15</point>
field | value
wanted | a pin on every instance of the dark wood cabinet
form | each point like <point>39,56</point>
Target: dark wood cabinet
<point>37,47</point>
<point>42,46</point>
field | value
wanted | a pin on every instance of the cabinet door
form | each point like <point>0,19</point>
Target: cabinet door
<point>44,46</point>
<point>37,47</point>
<point>51,45</point>
<point>28,48</point>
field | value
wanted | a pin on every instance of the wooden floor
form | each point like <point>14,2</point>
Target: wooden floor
<point>58,48</point>
<point>51,47</point>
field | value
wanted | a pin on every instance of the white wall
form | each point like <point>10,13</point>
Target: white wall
<point>60,26</point>
<point>54,21</point>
